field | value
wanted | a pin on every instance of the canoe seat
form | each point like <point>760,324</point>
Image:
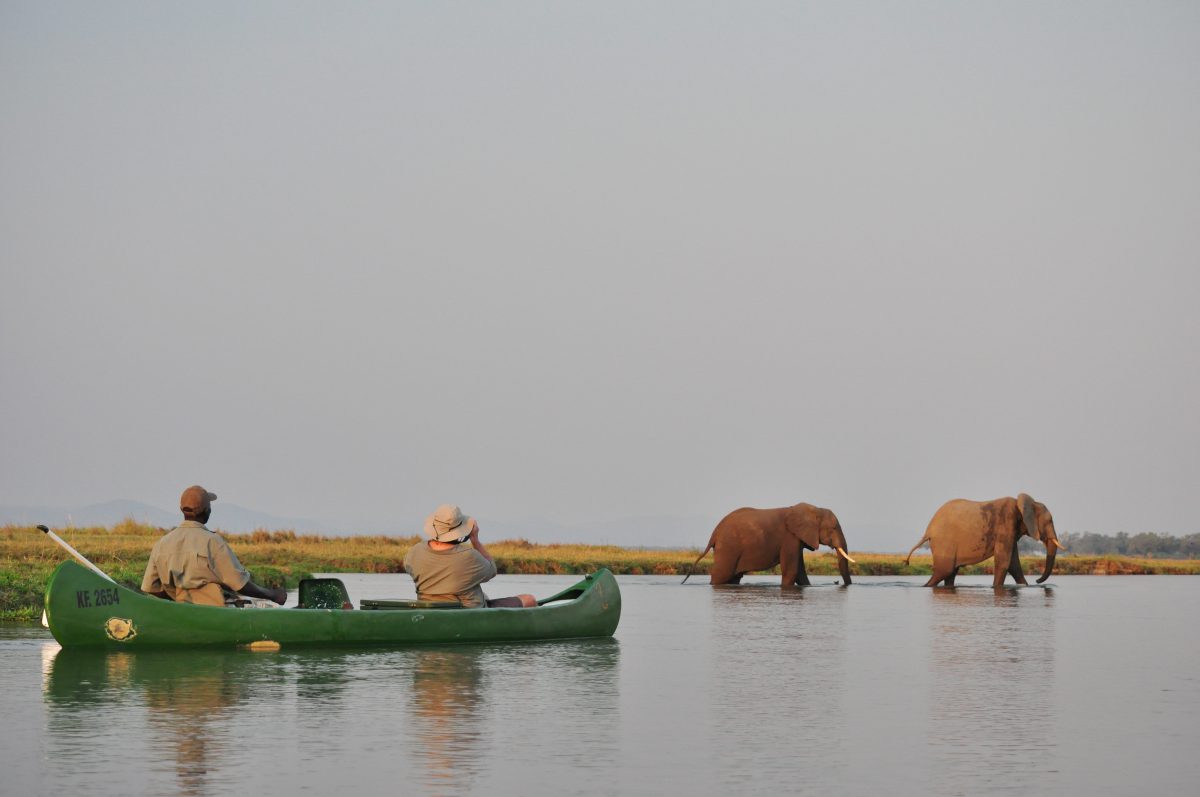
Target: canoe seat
<point>323,593</point>
<point>403,604</point>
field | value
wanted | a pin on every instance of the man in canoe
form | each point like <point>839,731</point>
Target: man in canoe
<point>191,564</point>
<point>446,570</point>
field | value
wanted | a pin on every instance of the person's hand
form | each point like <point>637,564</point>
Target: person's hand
<point>474,532</point>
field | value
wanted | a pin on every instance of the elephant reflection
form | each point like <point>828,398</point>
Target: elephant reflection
<point>989,641</point>
<point>749,539</point>
<point>968,532</point>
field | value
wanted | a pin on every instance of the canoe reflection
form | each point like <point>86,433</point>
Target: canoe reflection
<point>461,697</point>
<point>445,720</point>
<point>448,707</point>
<point>190,700</point>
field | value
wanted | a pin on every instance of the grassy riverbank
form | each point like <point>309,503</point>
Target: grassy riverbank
<point>282,558</point>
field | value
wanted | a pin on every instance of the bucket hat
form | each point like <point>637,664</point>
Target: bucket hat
<point>448,524</point>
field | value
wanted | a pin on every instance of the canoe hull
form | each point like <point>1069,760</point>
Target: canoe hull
<point>84,610</point>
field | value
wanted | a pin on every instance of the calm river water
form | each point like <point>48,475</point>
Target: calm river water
<point>1091,686</point>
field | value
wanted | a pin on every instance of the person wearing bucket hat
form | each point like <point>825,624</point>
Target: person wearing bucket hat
<point>191,564</point>
<point>444,569</point>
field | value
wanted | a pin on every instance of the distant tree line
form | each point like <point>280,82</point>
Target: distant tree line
<point>1144,544</point>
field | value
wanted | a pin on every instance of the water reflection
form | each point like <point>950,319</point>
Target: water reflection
<point>881,688</point>
<point>991,687</point>
<point>479,714</point>
<point>776,663</point>
<point>446,720</point>
<point>448,704</point>
<point>185,695</point>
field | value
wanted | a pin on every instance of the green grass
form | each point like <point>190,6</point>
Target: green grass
<point>282,558</point>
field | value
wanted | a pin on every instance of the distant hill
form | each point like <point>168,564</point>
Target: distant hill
<point>227,517</point>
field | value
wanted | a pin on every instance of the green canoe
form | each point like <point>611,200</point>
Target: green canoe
<point>85,610</point>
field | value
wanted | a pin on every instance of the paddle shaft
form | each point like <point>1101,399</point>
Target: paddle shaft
<point>82,559</point>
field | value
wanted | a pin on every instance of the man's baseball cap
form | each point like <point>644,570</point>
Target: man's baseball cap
<point>196,499</point>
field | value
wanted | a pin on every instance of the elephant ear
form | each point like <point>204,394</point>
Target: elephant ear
<point>805,525</point>
<point>1028,514</point>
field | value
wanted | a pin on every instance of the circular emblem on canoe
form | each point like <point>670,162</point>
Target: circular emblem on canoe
<point>120,629</point>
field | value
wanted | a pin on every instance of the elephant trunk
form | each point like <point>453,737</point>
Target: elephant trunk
<point>1052,547</point>
<point>843,561</point>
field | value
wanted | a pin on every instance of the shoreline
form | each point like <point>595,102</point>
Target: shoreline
<point>282,558</point>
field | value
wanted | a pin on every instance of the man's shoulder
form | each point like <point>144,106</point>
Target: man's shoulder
<point>461,551</point>
<point>417,554</point>
<point>189,526</point>
<point>194,529</point>
<point>422,551</point>
<point>177,533</point>
<point>188,532</point>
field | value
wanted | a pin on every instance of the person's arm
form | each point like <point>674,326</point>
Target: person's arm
<point>230,572</point>
<point>151,583</point>
<point>486,565</point>
<point>255,591</point>
<point>478,544</point>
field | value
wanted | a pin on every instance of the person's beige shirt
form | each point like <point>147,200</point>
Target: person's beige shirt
<point>191,563</point>
<point>453,575</point>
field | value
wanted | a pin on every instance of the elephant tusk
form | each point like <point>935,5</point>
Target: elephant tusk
<point>847,556</point>
<point>1060,546</point>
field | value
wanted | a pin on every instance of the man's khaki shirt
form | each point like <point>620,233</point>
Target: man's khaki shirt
<point>190,564</point>
<point>453,575</point>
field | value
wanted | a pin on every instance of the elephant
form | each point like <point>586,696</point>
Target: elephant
<point>750,539</point>
<point>966,532</point>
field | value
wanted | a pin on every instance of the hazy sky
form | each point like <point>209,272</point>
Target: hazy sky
<point>572,263</point>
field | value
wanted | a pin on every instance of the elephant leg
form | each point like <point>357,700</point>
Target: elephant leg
<point>801,573</point>
<point>737,578</point>
<point>999,571</point>
<point>1014,567</point>
<point>791,564</point>
<point>723,573</point>
<point>950,578</point>
<point>787,565</point>
<point>943,568</point>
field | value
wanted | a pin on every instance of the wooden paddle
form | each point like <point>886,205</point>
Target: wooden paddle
<point>82,559</point>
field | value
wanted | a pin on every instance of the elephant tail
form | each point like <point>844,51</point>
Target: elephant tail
<point>711,544</point>
<point>924,540</point>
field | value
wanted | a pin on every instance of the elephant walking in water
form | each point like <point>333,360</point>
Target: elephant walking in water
<point>968,532</point>
<point>747,540</point>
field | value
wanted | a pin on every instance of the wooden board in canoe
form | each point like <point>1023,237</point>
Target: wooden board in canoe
<point>84,610</point>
